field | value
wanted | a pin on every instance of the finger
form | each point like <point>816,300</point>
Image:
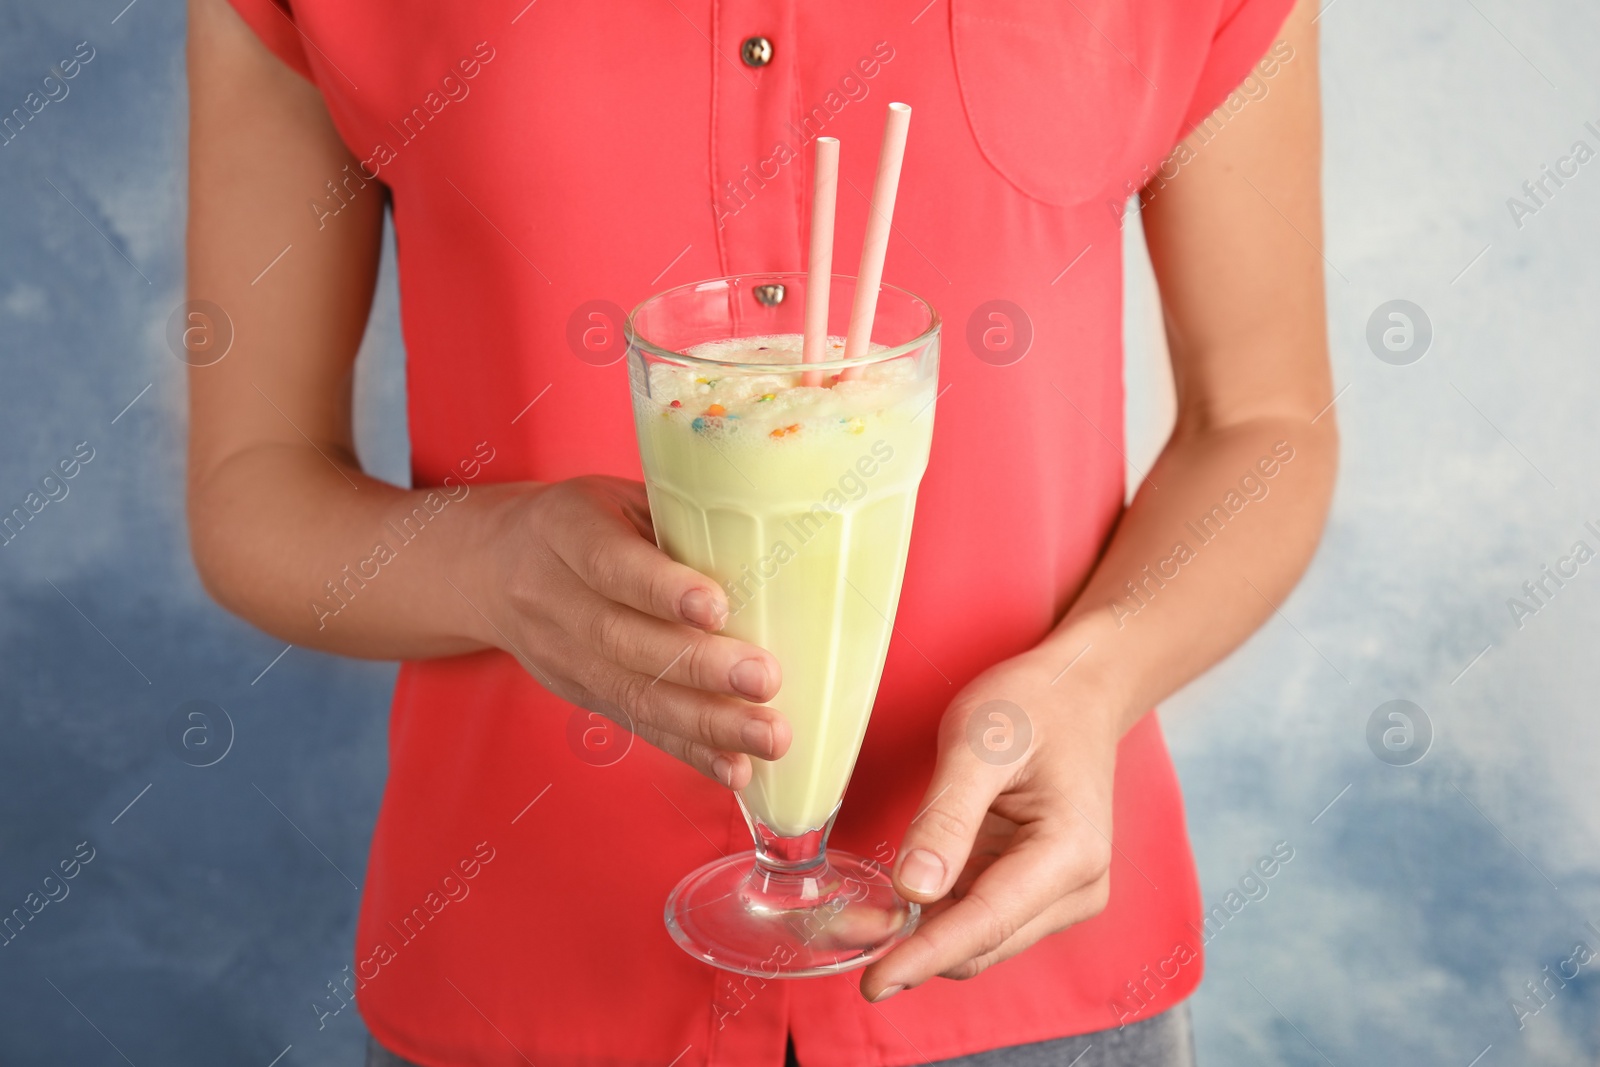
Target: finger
<point>725,724</point>
<point>940,836</point>
<point>731,769</point>
<point>639,642</point>
<point>634,500</point>
<point>1074,908</point>
<point>1042,868</point>
<point>994,838</point>
<point>604,549</point>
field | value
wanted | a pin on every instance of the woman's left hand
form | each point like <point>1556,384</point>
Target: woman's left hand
<point>1013,841</point>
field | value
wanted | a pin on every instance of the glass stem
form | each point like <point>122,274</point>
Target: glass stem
<point>780,854</point>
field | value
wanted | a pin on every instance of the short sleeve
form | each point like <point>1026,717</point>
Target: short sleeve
<point>273,22</point>
<point>1244,33</point>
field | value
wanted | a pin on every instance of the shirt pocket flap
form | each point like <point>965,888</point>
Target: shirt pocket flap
<point>1051,91</point>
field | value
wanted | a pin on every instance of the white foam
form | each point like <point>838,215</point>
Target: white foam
<point>734,403</point>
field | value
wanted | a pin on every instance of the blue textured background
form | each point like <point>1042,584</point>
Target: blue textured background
<point>221,902</point>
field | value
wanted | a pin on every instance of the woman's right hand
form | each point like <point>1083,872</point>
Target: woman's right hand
<point>604,619</point>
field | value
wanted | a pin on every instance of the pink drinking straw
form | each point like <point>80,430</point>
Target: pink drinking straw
<point>819,271</point>
<point>876,244</point>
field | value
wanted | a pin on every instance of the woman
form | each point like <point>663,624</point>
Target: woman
<point>548,162</point>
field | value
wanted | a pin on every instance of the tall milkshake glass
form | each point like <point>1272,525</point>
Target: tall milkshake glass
<point>798,500</point>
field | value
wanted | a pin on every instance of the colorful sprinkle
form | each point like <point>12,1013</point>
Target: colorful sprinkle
<point>676,404</point>
<point>766,397</point>
<point>698,425</point>
<point>716,409</point>
<point>784,431</point>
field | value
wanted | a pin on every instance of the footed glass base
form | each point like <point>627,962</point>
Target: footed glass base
<point>744,915</point>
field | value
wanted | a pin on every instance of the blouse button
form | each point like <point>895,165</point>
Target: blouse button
<point>756,51</point>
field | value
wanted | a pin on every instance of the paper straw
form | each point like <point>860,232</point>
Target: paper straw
<point>876,243</point>
<point>819,271</point>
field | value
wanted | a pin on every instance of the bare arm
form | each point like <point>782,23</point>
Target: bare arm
<point>1235,239</point>
<point>278,503</point>
<point>565,576</point>
<point>1008,853</point>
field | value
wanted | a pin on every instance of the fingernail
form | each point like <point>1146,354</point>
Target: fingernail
<point>887,993</point>
<point>701,608</point>
<point>722,767</point>
<point>757,736</point>
<point>749,676</point>
<point>922,872</point>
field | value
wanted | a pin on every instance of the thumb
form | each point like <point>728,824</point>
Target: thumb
<point>940,837</point>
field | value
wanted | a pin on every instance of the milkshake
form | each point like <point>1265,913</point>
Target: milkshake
<point>792,484</point>
<point>798,500</point>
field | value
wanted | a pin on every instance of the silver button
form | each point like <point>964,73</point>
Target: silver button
<point>770,295</point>
<point>756,51</point>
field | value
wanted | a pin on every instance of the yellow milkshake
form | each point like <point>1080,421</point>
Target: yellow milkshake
<point>798,500</point>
